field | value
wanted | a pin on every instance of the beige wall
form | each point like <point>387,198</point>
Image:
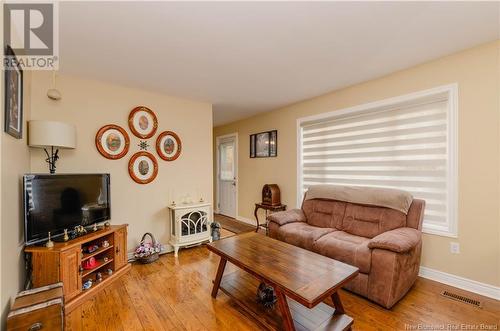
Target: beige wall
<point>477,73</point>
<point>91,104</point>
<point>15,162</point>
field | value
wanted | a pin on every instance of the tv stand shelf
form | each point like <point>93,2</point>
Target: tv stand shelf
<point>63,263</point>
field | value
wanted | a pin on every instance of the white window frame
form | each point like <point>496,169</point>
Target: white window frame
<point>451,91</point>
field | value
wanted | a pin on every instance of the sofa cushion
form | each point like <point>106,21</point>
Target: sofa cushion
<point>345,247</point>
<point>301,234</point>
<point>324,213</point>
<point>367,221</point>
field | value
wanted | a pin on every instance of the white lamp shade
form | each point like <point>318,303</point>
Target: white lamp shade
<point>50,133</point>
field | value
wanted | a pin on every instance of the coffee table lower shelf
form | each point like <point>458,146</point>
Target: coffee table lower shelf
<point>242,288</point>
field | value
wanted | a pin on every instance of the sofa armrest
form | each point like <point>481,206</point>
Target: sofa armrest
<point>399,240</point>
<point>288,216</point>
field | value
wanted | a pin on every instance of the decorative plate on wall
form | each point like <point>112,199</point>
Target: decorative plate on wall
<point>168,145</point>
<point>143,167</point>
<point>142,122</point>
<point>112,141</point>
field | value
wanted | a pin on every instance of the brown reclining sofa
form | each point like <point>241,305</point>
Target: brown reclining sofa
<point>377,230</point>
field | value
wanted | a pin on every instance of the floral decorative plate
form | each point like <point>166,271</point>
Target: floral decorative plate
<point>168,145</point>
<point>142,122</point>
<point>112,141</point>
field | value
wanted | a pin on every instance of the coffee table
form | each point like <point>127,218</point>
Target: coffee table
<point>301,279</point>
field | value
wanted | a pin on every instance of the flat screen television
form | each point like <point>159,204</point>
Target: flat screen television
<point>57,202</point>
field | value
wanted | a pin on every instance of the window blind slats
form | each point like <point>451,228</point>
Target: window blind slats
<point>403,147</point>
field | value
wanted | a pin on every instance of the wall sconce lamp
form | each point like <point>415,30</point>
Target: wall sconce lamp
<point>45,134</point>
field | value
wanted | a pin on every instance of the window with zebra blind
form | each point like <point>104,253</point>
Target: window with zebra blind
<point>407,142</point>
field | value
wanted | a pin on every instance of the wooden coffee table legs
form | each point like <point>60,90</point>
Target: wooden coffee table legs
<point>218,277</point>
<point>285,310</point>
<point>339,308</point>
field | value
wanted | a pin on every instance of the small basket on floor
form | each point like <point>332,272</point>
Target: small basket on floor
<point>147,251</point>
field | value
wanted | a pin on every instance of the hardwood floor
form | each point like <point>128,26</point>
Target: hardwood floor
<point>232,224</point>
<point>174,294</point>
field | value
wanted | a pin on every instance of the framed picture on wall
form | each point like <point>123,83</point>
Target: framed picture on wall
<point>13,97</point>
<point>264,144</point>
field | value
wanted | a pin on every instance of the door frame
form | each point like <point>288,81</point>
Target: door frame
<point>217,156</point>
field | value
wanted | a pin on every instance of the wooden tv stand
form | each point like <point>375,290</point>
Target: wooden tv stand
<point>62,263</point>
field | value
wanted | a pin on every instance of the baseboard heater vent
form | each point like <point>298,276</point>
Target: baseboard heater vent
<point>461,298</point>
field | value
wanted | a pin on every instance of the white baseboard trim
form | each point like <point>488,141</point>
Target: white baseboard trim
<point>461,282</point>
<point>246,220</point>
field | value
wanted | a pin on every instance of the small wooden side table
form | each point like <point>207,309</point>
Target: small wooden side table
<point>38,309</point>
<point>267,208</point>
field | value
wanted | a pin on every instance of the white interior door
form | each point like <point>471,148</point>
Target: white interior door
<point>227,176</point>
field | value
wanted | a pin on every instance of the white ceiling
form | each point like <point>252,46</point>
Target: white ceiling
<point>249,57</point>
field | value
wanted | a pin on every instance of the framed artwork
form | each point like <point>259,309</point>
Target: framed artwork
<point>143,167</point>
<point>168,145</point>
<point>264,144</point>
<point>112,141</point>
<point>142,122</point>
<point>13,98</point>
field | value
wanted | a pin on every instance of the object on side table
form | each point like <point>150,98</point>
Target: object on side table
<point>271,195</point>
<point>53,135</point>
<point>268,209</point>
<point>38,309</point>
<point>377,230</point>
<point>66,237</point>
<point>147,251</point>
<point>215,226</point>
<point>264,144</point>
<point>13,95</point>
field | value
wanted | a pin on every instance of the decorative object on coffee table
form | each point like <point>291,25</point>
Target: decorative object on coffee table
<point>302,280</point>
<point>143,167</point>
<point>268,209</point>
<point>142,122</point>
<point>148,251</point>
<point>13,96</point>
<point>264,144</point>
<point>112,141</point>
<point>168,145</point>
<point>266,296</point>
